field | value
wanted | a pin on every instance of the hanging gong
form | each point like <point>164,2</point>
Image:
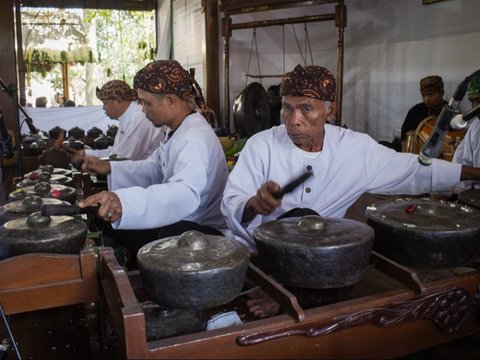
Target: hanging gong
<point>251,110</point>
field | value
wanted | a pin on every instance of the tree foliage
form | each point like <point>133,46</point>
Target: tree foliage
<point>123,42</point>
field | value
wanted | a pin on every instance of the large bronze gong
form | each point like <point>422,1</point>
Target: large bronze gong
<point>313,251</point>
<point>193,271</point>
<point>251,110</point>
<point>44,234</point>
<point>424,233</point>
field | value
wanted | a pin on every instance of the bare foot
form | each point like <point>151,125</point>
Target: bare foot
<point>262,305</point>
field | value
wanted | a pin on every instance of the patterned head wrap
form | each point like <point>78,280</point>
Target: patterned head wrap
<point>116,90</point>
<point>311,81</point>
<point>474,86</point>
<point>164,77</point>
<point>169,77</point>
<point>432,83</point>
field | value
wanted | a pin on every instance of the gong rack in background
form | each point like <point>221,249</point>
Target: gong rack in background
<point>235,7</point>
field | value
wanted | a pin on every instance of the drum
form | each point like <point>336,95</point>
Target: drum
<point>450,142</point>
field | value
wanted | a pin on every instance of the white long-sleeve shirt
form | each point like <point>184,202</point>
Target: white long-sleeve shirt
<point>136,137</point>
<point>182,180</point>
<point>468,153</point>
<point>349,165</point>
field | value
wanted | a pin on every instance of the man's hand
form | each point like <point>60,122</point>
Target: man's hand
<point>78,158</point>
<point>93,164</point>
<point>110,206</point>
<point>264,202</point>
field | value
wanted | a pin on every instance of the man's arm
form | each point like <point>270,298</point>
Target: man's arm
<point>95,165</point>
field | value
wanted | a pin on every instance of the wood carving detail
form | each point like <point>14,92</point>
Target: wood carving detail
<point>447,308</point>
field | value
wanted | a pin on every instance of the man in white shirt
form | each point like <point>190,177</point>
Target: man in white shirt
<point>136,137</point>
<point>344,165</point>
<point>468,152</point>
<point>179,187</point>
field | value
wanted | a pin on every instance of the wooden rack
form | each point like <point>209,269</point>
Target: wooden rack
<point>391,312</point>
<point>235,7</point>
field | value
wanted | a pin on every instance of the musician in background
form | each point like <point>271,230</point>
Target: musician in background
<point>468,152</point>
<point>136,137</point>
<point>41,102</point>
<point>432,91</point>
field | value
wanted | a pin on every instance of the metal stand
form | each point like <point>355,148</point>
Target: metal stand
<point>231,8</point>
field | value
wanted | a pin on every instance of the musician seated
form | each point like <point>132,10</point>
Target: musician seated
<point>41,102</point>
<point>305,142</point>
<point>432,91</point>
<point>136,138</point>
<point>179,187</point>
<point>468,152</point>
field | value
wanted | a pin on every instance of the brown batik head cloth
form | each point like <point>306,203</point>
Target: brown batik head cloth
<point>311,81</point>
<point>433,83</point>
<point>116,90</point>
<point>165,77</point>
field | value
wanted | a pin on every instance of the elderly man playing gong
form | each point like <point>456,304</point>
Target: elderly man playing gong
<point>344,164</point>
<point>179,187</point>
